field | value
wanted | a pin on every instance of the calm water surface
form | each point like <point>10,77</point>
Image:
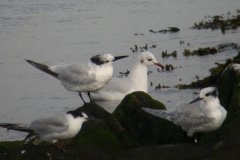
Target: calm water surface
<point>52,32</point>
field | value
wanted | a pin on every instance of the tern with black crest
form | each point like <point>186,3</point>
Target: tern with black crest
<point>201,115</point>
<point>53,129</point>
<point>82,77</point>
<point>137,80</point>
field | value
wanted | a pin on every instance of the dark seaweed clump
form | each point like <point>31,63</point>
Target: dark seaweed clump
<point>212,50</point>
<point>171,30</point>
<point>166,55</point>
<point>159,86</point>
<point>124,73</point>
<point>169,67</point>
<point>200,51</point>
<point>142,49</point>
<point>218,22</point>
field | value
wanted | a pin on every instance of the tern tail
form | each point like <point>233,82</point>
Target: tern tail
<point>17,127</point>
<point>43,68</point>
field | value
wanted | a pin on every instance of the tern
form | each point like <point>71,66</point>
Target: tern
<point>137,80</point>
<point>205,116</point>
<point>53,129</point>
<point>82,77</point>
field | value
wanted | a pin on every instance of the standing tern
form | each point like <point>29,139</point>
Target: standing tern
<point>82,77</point>
<point>204,116</point>
<point>117,88</point>
<point>53,129</point>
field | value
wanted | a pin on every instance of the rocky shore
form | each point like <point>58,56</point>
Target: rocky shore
<point>130,133</point>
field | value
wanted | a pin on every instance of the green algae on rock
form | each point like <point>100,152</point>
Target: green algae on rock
<point>146,129</point>
<point>106,124</point>
<point>6,145</point>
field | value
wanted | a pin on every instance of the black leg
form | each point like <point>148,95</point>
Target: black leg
<point>89,97</point>
<point>80,94</point>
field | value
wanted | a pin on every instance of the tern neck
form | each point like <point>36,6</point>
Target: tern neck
<point>213,103</point>
<point>138,76</point>
<point>211,106</point>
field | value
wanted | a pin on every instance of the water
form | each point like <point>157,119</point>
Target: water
<point>63,31</point>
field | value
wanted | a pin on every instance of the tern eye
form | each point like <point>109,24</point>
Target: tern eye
<point>149,59</point>
<point>207,94</point>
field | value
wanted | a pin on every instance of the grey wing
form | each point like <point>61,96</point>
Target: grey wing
<point>75,73</point>
<point>50,125</point>
<point>187,116</point>
<point>157,112</point>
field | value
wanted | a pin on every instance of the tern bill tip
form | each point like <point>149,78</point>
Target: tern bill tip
<point>160,65</point>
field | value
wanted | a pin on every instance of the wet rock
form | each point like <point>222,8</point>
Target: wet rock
<point>5,145</point>
<point>106,131</point>
<point>143,127</point>
<point>229,91</point>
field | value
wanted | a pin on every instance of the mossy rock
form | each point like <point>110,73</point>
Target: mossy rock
<point>145,128</point>
<point>6,145</point>
<point>100,136</point>
<point>105,131</point>
<point>229,91</point>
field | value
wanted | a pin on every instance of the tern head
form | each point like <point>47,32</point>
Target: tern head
<point>206,94</point>
<point>80,115</point>
<point>148,59</point>
<point>105,59</point>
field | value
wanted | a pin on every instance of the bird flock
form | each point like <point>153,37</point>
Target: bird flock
<point>94,78</point>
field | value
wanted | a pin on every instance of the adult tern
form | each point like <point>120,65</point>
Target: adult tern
<point>82,77</point>
<point>53,129</point>
<point>205,116</point>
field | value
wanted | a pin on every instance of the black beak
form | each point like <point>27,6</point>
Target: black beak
<point>195,100</point>
<point>120,57</point>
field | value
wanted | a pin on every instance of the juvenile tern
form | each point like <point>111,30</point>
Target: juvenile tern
<point>117,88</point>
<point>82,77</point>
<point>53,129</point>
<point>205,116</point>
